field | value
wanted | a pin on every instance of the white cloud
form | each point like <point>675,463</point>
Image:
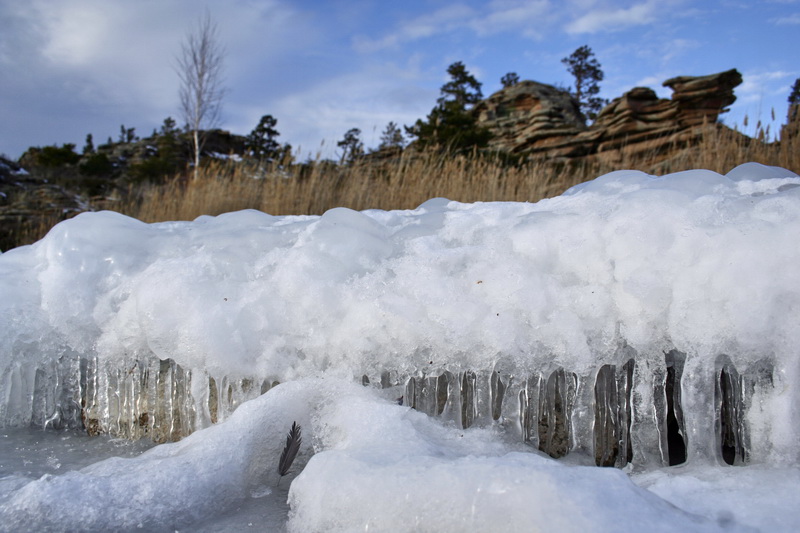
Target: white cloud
<point>367,99</point>
<point>322,109</point>
<point>89,65</point>
<point>757,85</point>
<point>82,34</point>
<point>649,81</point>
<point>528,17</point>
<point>678,47</point>
<point>607,19</point>
<point>792,19</point>
<point>441,21</point>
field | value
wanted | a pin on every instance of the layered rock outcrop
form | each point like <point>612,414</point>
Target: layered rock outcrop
<point>540,120</point>
<point>529,115</point>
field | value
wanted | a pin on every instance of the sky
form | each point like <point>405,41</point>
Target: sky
<point>321,68</point>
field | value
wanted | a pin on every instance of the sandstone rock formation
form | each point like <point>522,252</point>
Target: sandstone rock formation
<point>542,121</point>
<point>529,114</point>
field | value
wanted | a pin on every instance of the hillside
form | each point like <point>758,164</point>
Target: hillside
<point>539,146</point>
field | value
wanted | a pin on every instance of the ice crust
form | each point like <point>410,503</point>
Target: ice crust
<point>694,260</point>
<point>376,466</point>
<point>202,316</point>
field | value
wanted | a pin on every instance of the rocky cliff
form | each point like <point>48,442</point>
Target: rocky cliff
<point>28,206</point>
<point>540,120</point>
<point>37,192</point>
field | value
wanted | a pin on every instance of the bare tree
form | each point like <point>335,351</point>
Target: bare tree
<point>200,71</point>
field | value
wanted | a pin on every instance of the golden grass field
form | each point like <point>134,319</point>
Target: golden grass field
<point>406,182</point>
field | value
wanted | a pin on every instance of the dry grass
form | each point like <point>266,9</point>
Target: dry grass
<point>406,182</point>
<point>400,184</point>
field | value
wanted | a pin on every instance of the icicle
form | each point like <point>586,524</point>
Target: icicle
<point>612,425</point>
<point>428,393</point>
<point>731,431</point>
<point>555,408</point>
<point>758,385</point>
<point>669,409</point>
<point>529,409</point>
<point>410,393</point>
<point>498,390</point>
<point>606,424</point>
<point>633,410</point>
<point>469,408</point>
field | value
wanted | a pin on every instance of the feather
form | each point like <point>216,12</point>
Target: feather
<point>290,450</point>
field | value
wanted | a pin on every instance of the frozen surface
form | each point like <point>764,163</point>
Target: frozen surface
<point>378,466</point>
<point>27,454</point>
<point>657,314</point>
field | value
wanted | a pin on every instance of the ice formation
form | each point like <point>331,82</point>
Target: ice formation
<point>378,466</point>
<point>633,320</point>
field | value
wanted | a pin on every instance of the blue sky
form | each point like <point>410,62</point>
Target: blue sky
<point>321,68</point>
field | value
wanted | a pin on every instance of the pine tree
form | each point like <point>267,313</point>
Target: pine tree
<point>463,88</point>
<point>127,135</point>
<point>793,113</point>
<point>509,80</point>
<point>351,145</point>
<point>794,96</point>
<point>88,148</point>
<point>451,125</point>
<point>169,127</point>
<point>392,137</point>
<point>261,142</point>
<point>588,73</point>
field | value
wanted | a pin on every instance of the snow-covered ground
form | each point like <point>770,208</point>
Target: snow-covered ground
<point>625,266</point>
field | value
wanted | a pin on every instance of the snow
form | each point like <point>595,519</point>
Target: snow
<point>378,466</point>
<point>225,157</point>
<point>625,264</point>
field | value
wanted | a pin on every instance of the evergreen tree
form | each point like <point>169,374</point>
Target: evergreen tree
<point>53,156</point>
<point>97,165</point>
<point>794,96</point>
<point>261,142</point>
<point>169,127</point>
<point>509,80</point>
<point>127,135</point>
<point>588,73</point>
<point>392,137</point>
<point>463,89</point>
<point>351,145</point>
<point>794,102</point>
<point>451,125</point>
<point>88,148</point>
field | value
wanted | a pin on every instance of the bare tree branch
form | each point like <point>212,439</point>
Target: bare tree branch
<point>200,71</point>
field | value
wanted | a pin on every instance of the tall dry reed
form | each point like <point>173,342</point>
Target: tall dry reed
<point>407,181</point>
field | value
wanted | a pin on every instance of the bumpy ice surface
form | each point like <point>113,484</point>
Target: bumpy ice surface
<point>696,261</point>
